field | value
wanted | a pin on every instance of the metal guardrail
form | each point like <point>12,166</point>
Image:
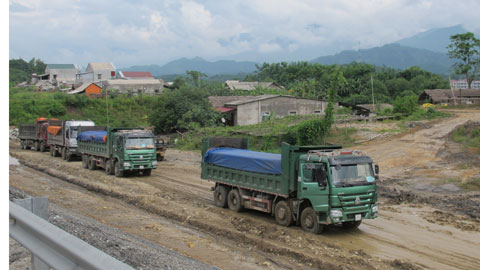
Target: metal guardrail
<point>57,248</point>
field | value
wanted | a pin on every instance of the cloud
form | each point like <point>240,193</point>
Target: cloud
<point>129,32</point>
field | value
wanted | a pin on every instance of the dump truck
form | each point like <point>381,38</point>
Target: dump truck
<point>117,150</point>
<point>62,137</point>
<point>161,145</point>
<point>34,136</point>
<point>311,186</point>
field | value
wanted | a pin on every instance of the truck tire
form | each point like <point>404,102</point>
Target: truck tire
<point>92,165</point>
<point>85,161</point>
<point>309,221</point>
<point>220,196</point>
<point>234,200</point>
<point>118,171</point>
<point>64,153</point>
<point>68,155</point>
<point>108,167</point>
<point>351,225</point>
<point>283,214</point>
<point>51,150</point>
<point>42,146</point>
<point>22,144</point>
<point>37,146</point>
<point>147,172</point>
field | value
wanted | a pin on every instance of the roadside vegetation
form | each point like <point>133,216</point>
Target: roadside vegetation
<point>468,136</point>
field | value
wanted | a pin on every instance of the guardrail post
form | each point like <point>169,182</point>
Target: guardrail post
<point>39,207</point>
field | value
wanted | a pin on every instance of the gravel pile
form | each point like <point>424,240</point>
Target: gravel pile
<point>132,250</point>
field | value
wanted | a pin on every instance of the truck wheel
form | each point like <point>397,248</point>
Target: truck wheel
<point>51,150</point>
<point>118,171</point>
<point>351,225</point>
<point>283,214</point>
<point>220,196</point>
<point>42,147</point>
<point>85,161</point>
<point>68,156</point>
<point>64,153</point>
<point>147,172</point>
<point>92,165</point>
<point>22,144</point>
<point>37,146</point>
<point>108,167</point>
<point>309,221</point>
<point>234,200</point>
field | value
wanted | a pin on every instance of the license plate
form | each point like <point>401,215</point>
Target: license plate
<point>358,217</point>
<point>141,166</point>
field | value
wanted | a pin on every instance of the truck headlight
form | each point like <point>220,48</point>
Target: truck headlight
<point>154,163</point>
<point>126,164</point>
<point>336,213</point>
<point>375,209</point>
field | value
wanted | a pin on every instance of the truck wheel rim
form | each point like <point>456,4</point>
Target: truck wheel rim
<point>281,213</point>
<point>309,221</point>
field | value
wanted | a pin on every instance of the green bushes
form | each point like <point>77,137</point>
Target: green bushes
<point>405,105</point>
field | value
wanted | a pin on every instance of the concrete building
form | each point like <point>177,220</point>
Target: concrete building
<point>253,110</point>
<point>462,84</point>
<point>97,72</point>
<point>135,75</point>
<point>134,87</point>
<point>248,86</point>
<point>62,73</point>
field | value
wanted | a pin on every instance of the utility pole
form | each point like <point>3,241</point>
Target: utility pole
<point>373,98</point>
<point>106,104</point>
<point>453,95</point>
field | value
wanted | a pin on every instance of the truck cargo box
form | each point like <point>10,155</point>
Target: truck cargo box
<point>245,160</point>
<point>93,136</point>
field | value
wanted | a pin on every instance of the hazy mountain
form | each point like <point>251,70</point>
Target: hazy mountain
<point>436,39</point>
<point>180,66</point>
<point>392,55</point>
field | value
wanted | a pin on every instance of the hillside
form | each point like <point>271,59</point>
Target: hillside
<point>392,55</point>
<point>182,65</point>
<point>436,39</point>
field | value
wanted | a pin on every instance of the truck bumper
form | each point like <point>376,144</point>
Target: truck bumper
<point>337,215</point>
<point>133,166</point>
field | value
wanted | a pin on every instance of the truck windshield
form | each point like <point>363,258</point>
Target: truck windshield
<point>352,175</point>
<point>139,143</point>
<point>73,133</point>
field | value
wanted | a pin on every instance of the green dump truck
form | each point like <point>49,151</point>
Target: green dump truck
<point>311,186</point>
<point>117,150</point>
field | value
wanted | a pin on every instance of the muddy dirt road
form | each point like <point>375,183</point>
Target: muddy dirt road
<point>417,228</point>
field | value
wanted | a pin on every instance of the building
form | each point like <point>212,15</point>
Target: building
<point>254,109</point>
<point>96,72</point>
<point>134,75</point>
<point>90,89</point>
<point>248,86</point>
<point>134,87</point>
<point>462,84</point>
<point>450,97</point>
<point>62,73</point>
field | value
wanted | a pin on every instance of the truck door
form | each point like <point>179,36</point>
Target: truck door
<point>310,188</point>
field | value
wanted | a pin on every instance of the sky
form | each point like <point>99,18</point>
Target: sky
<point>142,32</point>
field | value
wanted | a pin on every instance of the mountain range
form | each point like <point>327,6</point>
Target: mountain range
<point>426,50</point>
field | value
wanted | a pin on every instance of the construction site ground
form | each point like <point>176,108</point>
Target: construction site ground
<point>427,221</point>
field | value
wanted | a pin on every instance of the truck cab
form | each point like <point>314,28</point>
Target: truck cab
<point>135,150</point>
<point>340,186</point>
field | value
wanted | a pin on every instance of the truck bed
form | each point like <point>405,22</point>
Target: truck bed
<point>27,132</point>
<point>245,160</point>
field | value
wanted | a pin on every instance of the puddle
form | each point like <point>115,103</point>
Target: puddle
<point>13,161</point>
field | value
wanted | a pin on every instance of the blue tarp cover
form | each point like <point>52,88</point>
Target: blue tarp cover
<point>92,136</point>
<point>245,160</point>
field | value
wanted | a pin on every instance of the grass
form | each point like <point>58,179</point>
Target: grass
<point>469,138</point>
<point>472,184</point>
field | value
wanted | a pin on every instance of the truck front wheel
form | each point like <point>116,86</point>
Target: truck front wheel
<point>118,171</point>
<point>309,221</point>
<point>147,172</point>
<point>351,225</point>
<point>37,146</point>
<point>109,167</point>
<point>283,214</point>
<point>42,147</point>
<point>220,196</point>
<point>234,200</point>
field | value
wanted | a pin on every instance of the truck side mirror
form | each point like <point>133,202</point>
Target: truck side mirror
<point>377,169</point>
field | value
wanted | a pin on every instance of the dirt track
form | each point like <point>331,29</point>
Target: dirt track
<point>174,208</point>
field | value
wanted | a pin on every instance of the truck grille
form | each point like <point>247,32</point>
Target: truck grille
<point>141,157</point>
<point>356,202</point>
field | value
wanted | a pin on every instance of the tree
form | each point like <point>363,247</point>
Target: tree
<point>466,48</point>
<point>196,75</point>
<point>405,105</point>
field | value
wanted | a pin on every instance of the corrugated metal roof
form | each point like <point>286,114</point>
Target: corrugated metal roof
<point>101,66</point>
<point>219,101</point>
<point>437,95</point>
<point>238,85</point>
<point>81,88</point>
<point>136,74</point>
<point>133,82</point>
